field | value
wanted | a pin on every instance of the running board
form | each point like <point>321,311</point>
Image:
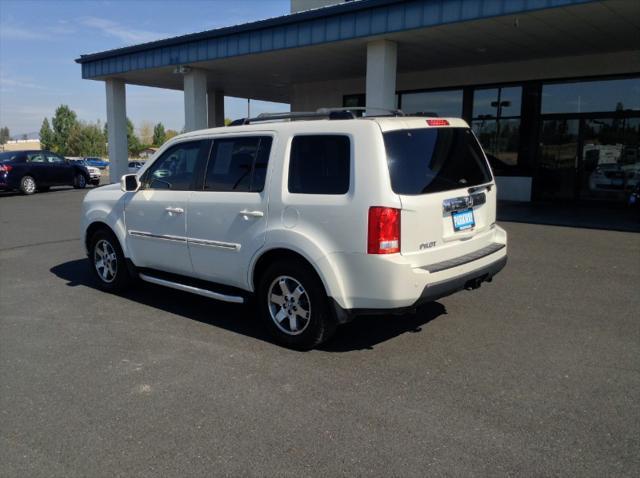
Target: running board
<point>194,290</point>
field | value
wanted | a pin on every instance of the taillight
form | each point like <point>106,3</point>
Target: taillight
<point>5,168</point>
<point>437,122</point>
<point>384,230</point>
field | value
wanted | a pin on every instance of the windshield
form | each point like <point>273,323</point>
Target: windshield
<point>429,160</point>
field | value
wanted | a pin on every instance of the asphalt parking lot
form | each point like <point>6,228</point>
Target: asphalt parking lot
<point>536,374</point>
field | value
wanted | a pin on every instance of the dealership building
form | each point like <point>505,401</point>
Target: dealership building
<point>550,87</point>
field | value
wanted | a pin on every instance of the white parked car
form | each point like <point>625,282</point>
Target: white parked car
<point>94,173</point>
<point>134,166</point>
<point>318,220</point>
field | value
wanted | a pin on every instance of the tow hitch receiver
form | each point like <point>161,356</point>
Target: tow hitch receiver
<point>476,283</point>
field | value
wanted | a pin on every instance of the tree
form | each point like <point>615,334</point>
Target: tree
<point>146,133</point>
<point>170,134</point>
<point>4,135</point>
<point>86,139</point>
<point>46,135</point>
<point>132,140</point>
<point>227,121</point>
<point>159,135</point>
<point>64,121</point>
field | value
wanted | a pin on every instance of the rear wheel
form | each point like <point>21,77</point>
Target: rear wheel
<point>28,185</point>
<point>293,306</point>
<point>80,181</point>
<point>108,262</point>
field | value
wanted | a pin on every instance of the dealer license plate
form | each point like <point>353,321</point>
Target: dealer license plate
<point>463,220</point>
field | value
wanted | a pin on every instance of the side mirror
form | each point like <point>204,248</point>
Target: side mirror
<point>129,183</point>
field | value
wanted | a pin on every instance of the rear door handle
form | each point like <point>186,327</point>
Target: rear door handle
<point>246,212</point>
<point>174,210</point>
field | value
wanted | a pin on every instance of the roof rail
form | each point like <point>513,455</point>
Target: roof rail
<point>364,109</point>
<point>295,115</point>
<point>320,113</point>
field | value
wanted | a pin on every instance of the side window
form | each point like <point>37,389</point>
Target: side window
<point>175,169</point>
<point>54,158</point>
<point>320,164</point>
<point>238,164</point>
<point>36,158</point>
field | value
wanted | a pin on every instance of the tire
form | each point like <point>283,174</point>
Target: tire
<point>300,318</point>
<point>28,185</point>
<point>80,181</point>
<point>112,275</point>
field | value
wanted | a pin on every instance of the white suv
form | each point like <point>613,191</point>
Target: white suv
<point>318,220</point>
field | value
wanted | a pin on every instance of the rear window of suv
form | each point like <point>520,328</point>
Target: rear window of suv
<point>429,160</point>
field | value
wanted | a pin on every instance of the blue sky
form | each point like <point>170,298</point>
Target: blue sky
<point>39,42</point>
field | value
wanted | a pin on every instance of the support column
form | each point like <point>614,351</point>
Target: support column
<point>117,129</point>
<point>382,58</point>
<point>215,106</point>
<point>195,100</point>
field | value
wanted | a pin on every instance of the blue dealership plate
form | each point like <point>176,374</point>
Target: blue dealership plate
<point>463,220</point>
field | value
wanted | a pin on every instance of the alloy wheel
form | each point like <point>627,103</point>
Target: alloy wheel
<point>289,305</point>
<point>29,185</point>
<point>105,261</point>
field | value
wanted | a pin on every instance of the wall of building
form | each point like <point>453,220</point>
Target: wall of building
<point>310,96</point>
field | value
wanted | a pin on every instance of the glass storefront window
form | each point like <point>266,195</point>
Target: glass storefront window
<point>556,177</point>
<point>500,140</point>
<point>446,103</point>
<point>496,122</point>
<point>591,96</point>
<point>353,101</point>
<point>494,102</point>
<point>610,158</point>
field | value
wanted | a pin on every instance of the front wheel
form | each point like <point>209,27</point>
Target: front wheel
<point>293,306</point>
<point>80,181</point>
<point>108,262</point>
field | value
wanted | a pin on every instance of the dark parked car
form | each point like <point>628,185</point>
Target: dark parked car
<point>96,162</point>
<point>31,171</point>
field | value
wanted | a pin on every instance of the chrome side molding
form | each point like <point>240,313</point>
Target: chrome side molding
<point>221,245</point>
<point>230,246</point>
<point>149,235</point>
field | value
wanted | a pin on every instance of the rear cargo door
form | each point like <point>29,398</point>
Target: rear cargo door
<point>446,190</point>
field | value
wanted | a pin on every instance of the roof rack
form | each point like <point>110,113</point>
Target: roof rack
<point>364,109</point>
<point>320,113</point>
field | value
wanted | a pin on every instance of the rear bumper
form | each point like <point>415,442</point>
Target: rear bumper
<point>382,284</point>
<point>431,292</point>
<point>470,280</point>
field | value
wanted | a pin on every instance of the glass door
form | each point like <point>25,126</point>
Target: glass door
<point>558,163</point>
<point>610,159</point>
